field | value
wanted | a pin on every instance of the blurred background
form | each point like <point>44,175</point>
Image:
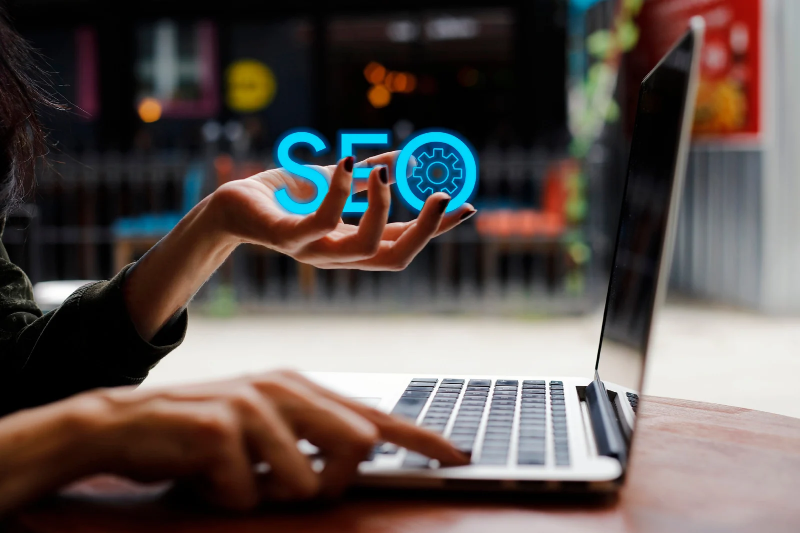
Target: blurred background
<point>171,99</point>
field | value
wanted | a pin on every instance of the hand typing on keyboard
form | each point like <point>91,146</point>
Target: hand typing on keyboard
<point>513,414</point>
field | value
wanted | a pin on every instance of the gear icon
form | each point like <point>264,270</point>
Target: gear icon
<point>437,173</point>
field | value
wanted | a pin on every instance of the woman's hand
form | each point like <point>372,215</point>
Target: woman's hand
<point>213,436</point>
<point>252,214</point>
<point>163,281</point>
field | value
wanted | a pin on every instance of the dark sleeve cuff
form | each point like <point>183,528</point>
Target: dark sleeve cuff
<point>105,320</point>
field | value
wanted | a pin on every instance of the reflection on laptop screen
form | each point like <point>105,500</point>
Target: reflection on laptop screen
<point>643,219</point>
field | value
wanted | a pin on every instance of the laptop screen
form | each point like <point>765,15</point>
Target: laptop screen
<point>644,219</point>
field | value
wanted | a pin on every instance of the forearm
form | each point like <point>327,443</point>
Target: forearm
<point>165,279</point>
<point>43,449</point>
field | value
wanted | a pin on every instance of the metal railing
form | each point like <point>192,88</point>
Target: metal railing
<point>77,204</point>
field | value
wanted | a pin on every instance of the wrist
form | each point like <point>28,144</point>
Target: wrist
<point>212,223</point>
<point>48,447</point>
<point>89,425</point>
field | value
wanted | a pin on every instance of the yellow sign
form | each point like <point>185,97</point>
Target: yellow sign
<point>251,86</point>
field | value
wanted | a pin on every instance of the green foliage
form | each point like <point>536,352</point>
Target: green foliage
<point>223,302</point>
<point>612,115</point>
<point>627,35</point>
<point>575,282</point>
<point>633,7</point>
<point>599,44</point>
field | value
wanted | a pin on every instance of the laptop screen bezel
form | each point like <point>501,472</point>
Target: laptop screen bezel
<point>695,33</point>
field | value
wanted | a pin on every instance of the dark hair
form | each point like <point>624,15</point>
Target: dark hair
<point>23,141</point>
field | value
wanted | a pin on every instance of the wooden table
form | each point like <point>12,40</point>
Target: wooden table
<point>695,467</point>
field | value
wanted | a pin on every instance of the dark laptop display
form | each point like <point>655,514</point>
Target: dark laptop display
<point>643,219</point>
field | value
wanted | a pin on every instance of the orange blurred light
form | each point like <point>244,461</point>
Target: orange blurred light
<point>400,82</point>
<point>149,110</point>
<point>379,96</point>
<point>411,83</point>
<point>374,72</point>
<point>389,81</point>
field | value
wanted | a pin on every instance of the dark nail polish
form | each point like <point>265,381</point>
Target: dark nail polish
<point>348,163</point>
<point>443,205</point>
<point>468,214</point>
<point>384,175</point>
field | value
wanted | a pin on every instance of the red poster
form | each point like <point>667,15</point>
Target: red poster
<point>728,104</point>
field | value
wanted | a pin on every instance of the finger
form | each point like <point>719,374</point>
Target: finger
<point>349,243</point>
<point>393,429</point>
<point>398,254</point>
<point>388,159</point>
<point>327,217</point>
<point>450,220</point>
<point>373,222</point>
<point>272,441</point>
<point>228,479</point>
<point>343,436</point>
<point>343,449</point>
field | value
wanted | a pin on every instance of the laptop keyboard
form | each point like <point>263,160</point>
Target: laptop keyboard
<point>633,399</point>
<point>503,400</point>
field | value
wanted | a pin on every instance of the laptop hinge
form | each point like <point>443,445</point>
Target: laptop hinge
<point>607,432</point>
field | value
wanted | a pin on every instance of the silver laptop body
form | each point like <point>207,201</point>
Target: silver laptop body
<point>554,432</point>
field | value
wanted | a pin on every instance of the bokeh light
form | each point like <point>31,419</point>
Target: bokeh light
<point>411,83</point>
<point>379,96</point>
<point>374,72</point>
<point>149,110</point>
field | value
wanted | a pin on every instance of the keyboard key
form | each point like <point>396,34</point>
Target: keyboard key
<point>532,413</point>
<point>415,460</point>
<point>556,383</point>
<point>456,386</point>
<point>505,387</point>
<point>480,383</point>
<point>387,448</point>
<point>531,433</point>
<point>450,380</point>
<point>434,415</point>
<point>530,444</point>
<point>408,405</point>
<point>416,394</point>
<point>493,461</point>
<point>558,417</point>
<point>533,382</point>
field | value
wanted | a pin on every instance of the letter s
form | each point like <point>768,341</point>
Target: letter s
<point>284,159</point>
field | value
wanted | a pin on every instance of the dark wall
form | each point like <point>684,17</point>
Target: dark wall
<point>537,110</point>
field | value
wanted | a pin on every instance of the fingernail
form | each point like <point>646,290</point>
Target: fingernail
<point>348,163</point>
<point>468,214</point>
<point>443,204</point>
<point>383,175</point>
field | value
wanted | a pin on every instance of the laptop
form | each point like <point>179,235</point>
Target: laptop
<point>555,432</point>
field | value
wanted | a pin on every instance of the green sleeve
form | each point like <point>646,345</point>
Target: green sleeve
<point>86,343</point>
